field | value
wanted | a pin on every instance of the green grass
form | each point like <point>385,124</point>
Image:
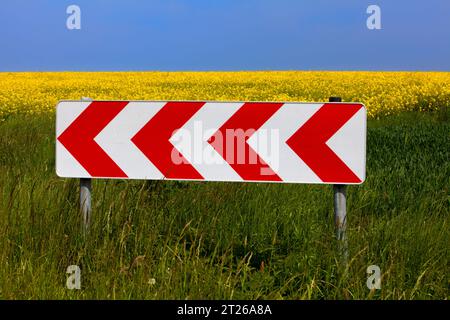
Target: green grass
<point>228,240</point>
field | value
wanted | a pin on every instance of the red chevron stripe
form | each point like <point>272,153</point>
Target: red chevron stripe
<point>78,139</point>
<point>153,139</point>
<point>241,157</point>
<point>309,142</point>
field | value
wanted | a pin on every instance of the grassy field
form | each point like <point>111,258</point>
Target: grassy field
<point>196,240</point>
<point>173,240</point>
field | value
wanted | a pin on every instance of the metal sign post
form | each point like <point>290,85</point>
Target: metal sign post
<point>340,212</point>
<point>85,202</point>
<point>85,196</point>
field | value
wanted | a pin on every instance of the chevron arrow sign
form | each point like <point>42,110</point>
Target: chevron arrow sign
<point>212,141</point>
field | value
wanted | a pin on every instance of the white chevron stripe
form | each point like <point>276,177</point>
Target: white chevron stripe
<point>66,164</point>
<point>349,143</point>
<point>67,112</point>
<point>191,141</point>
<point>115,139</point>
<point>282,159</point>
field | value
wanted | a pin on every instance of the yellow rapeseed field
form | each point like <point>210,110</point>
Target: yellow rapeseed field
<point>382,92</point>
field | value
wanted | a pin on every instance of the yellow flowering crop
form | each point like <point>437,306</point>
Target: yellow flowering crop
<point>382,92</point>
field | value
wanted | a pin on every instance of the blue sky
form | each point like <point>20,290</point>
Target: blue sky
<point>224,35</point>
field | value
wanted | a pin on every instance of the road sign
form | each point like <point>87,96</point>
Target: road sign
<point>212,141</point>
